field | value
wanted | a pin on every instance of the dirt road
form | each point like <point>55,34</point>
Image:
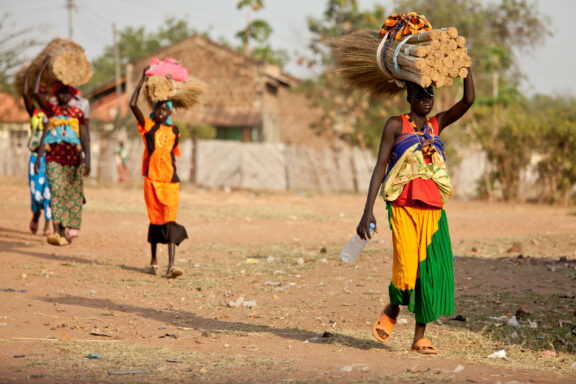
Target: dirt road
<point>264,297</point>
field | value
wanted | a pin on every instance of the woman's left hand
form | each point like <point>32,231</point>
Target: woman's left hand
<point>86,169</point>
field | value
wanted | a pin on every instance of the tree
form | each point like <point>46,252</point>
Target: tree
<point>496,33</point>
<point>553,123</point>
<point>352,115</point>
<point>13,44</point>
<point>258,31</point>
<point>135,42</point>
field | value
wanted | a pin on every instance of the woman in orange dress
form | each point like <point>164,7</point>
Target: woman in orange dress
<point>161,183</point>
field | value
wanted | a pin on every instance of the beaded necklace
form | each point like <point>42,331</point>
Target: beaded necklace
<point>413,124</point>
<point>425,136</point>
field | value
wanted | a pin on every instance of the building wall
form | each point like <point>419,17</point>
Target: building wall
<point>297,118</point>
<point>240,92</point>
<point>233,95</point>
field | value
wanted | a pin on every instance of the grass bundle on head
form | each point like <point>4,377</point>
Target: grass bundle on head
<point>19,82</point>
<point>433,57</point>
<point>184,94</point>
<point>356,62</point>
<point>67,64</point>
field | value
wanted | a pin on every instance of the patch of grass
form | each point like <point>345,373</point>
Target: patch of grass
<point>480,335</point>
<point>153,365</point>
<point>551,315</point>
<point>253,211</point>
<point>536,246</point>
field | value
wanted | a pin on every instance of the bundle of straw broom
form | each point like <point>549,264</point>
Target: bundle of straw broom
<point>67,64</point>
<point>184,94</point>
<point>434,57</point>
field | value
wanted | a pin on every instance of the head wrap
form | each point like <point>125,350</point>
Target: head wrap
<point>169,104</point>
<point>399,25</point>
<point>429,91</point>
<point>59,86</point>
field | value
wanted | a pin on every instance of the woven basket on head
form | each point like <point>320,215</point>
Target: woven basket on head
<point>183,95</point>
<point>67,64</point>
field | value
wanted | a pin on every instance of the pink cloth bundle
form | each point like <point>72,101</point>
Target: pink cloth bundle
<point>168,66</point>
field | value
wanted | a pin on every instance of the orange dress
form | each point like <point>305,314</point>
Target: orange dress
<point>161,182</point>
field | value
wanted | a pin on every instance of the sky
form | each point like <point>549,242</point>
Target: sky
<point>548,68</point>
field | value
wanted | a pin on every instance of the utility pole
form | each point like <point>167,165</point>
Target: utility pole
<point>71,7</point>
<point>247,42</point>
<point>117,70</point>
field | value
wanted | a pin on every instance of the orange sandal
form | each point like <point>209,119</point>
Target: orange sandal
<point>424,346</point>
<point>382,328</point>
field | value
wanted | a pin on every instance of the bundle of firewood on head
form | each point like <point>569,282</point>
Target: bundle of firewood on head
<point>406,49</point>
<point>67,64</point>
<point>168,80</point>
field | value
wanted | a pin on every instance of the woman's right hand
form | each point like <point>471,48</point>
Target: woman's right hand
<point>37,165</point>
<point>363,229</point>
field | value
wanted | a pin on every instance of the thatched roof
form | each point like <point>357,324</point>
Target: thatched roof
<point>235,82</point>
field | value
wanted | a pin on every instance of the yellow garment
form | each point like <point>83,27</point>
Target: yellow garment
<point>412,165</point>
<point>54,122</point>
<point>412,231</point>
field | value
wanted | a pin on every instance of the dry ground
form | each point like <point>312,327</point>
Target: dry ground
<point>279,252</point>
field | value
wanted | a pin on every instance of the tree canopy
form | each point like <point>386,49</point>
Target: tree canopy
<point>13,45</point>
<point>518,134</point>
<point>134,42</point>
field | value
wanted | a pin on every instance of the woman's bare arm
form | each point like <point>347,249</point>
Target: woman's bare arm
<point>459,109</point>
<point>134,100</point>
<point>391,129</point>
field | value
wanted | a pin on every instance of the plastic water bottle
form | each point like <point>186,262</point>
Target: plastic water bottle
<point>355,246</point>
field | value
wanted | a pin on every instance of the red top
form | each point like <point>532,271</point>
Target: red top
<point>70,111</point>
<point>420,192</point>
<point>64,153</point>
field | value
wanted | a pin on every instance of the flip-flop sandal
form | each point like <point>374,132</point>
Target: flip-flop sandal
<point>33,227</point>
<point>48,232</point>
<point>56,239</point>
<point>53,239</point>
<point>424,346</point>
<point>62,240</point>
<point>153,269</point>
<point>382,328</point>
<point>72,233</point>
<point>174,273</point>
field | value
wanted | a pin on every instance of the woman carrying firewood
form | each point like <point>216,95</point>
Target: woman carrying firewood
<point>415,184</point>
<point>66,141</point>
<point>161,183</point>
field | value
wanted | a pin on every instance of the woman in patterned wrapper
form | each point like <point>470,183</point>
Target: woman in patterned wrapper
<point>161,183</point>
<point>415,184</point>
<point>66,141</point>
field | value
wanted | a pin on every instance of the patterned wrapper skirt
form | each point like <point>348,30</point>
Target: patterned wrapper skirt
<point>422,271</point>
<point>67,187</point>
<point>162,205</point>
<point>39,187</point>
